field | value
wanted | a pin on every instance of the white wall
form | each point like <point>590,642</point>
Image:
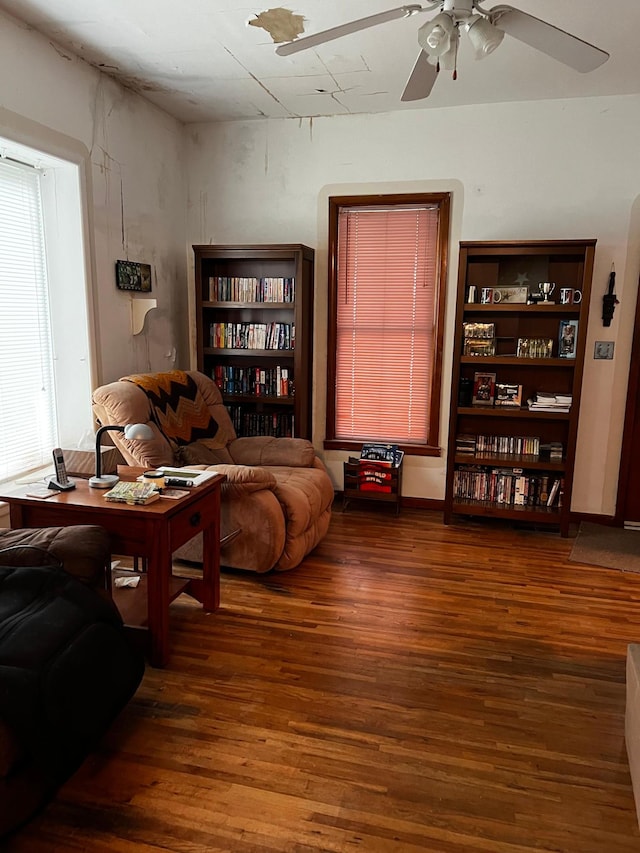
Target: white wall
<point>131,157</point>
<point>540,170</point>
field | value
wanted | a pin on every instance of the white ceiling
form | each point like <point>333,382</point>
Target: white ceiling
<point>201,61</point>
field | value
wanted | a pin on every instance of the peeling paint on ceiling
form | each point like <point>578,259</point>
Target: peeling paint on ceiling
<point>281,24</point>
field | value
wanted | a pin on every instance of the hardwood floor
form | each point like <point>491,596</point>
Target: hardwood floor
<point>411,687</point>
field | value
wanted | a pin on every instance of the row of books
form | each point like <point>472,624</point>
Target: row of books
<point>231,288</point>
<point>545,401</point>
<point>277,424</point>
<point>509,445</point>
<point>253,335</point>
<point>270,382</point>
<point>509,486</point>
<point>521,445</point>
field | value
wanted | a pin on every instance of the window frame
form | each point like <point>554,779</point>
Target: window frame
<point>443,201</point>
<point>64,179</point>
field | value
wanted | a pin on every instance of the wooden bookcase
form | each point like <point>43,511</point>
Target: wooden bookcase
<point>245,294</point>
<point>484,482</point>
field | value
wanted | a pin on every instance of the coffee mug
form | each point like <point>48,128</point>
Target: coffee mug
<point>489,294</point>
<point>569,296</point>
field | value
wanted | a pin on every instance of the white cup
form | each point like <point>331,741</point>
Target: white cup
<point>569,296</point>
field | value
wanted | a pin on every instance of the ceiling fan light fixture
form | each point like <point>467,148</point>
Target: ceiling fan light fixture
<point>484,37</point>
<point>435,36</point>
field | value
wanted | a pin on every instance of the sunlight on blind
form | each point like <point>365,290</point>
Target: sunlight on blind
<point>386,318</point>
<point>27,400</point>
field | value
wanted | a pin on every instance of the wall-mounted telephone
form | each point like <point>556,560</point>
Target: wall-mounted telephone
<point>61,481</point>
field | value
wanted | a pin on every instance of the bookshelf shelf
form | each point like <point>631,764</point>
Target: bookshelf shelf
<point>541,515</point>
<point>507,412</point>
<point>520,487</point>
<point>519,308</point>
<point>262,306</point>
<point>512,460</point>
<point>265,398</point>
<point>517,361</point>
<point>277,283</point>
<point>247,352</point>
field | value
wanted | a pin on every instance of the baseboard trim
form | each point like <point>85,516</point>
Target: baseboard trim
<point>422,503</point>
<point>595,518</point>
<point>405,502</point>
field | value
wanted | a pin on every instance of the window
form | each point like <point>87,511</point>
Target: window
<point>45,385</point>
<point>27,426</point>
<point>388,262</point>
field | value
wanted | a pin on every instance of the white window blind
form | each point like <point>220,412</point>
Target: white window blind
<point>28,428</point>
<point>386,323</point>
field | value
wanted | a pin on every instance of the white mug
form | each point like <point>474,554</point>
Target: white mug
<point>490,294</point>
<point>569,296</point>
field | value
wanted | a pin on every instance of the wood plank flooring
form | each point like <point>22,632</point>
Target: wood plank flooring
<point>411,687</point>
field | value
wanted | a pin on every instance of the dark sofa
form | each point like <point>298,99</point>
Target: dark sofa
<point>67,667</point>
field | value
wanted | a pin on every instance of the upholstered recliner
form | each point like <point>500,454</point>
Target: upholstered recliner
<point>277,495</point>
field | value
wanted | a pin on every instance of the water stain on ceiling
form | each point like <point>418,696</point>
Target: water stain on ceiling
<point>281,24</point>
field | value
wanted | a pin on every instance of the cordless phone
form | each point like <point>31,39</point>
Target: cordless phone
<point>61,481</point>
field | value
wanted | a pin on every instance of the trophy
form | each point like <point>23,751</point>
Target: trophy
<point>546,288</point>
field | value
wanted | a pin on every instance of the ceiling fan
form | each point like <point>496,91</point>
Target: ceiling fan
<point>439,37</point>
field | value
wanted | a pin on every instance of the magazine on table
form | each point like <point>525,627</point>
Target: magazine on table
<point>132,493</point>
<point>384,454</point>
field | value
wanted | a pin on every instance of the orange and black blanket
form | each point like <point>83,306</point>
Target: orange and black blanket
<point>177,405</point>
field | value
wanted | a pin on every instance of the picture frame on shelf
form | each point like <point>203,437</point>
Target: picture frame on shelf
<point>484,389</point>
<point>508,394</point>
<point>568,339</point>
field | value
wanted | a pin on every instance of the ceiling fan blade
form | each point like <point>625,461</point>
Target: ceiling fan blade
<point>548,39</point>
<point>346,29</point>
<point>421,79</point>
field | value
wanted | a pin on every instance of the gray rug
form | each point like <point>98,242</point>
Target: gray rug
<point>613,547</point>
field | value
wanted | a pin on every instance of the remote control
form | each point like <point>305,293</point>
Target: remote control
<point>178,481</point>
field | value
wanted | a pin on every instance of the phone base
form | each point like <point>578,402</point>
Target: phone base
<point>107,481</point>
<point>60,487</point>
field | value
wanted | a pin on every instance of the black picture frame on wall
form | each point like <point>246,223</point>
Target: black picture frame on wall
<point>133,276</point>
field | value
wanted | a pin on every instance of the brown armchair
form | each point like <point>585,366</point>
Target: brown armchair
<point>277,496</point>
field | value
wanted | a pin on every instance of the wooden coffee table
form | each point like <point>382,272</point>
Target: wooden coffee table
<point>153,531</point>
